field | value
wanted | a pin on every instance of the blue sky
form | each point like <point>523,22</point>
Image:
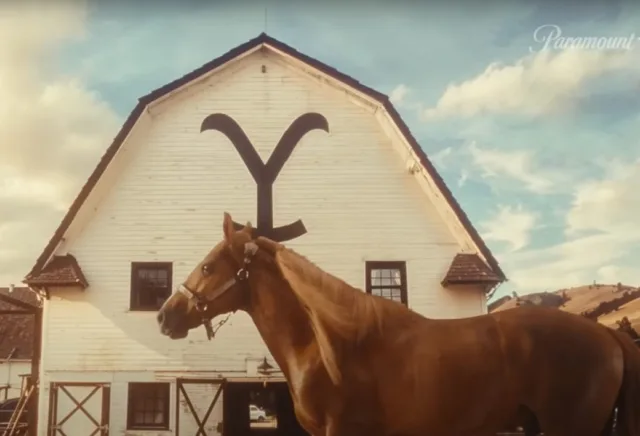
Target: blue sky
<point>539,144</point>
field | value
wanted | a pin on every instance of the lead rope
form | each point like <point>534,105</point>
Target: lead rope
<point>211,330</point>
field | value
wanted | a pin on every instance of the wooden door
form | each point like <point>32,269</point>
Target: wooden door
<point>80,409</point>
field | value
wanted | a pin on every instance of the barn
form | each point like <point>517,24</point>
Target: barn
<point>357,195</point>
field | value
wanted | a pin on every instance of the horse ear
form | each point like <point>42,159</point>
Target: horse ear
<point>227,227</point>
<point>248,228</point>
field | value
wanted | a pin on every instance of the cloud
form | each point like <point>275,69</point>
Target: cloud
<point>615,200</point>
<point>513,164</point>
<point>52,128</point>
<point>440,157</point>
<point>510,225</point>
<point>398,94</point>
<point>570,263</point>
<point>500,168</point>
<point>608,209</point>
<point>609,274</point>
<point>543,82</point>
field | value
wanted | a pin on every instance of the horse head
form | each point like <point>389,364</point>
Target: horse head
<point>217,285</point>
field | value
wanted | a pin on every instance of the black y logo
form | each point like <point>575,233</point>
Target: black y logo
<point>265,174</point>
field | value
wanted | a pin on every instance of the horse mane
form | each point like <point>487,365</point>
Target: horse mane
<point>340,315</point>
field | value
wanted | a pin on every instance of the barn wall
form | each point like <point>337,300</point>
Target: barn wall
<point>200,396</point>
<point>350,187</point>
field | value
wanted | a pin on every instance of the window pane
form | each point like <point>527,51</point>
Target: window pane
<point>147,404</point>
<point>159,418</point>
<point>386,277</point>
<point>390,293</point>
<point>153,286</point>
<point>375,277</point>
<point>396,277</point>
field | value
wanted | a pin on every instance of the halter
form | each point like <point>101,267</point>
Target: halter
<point>202,301</point>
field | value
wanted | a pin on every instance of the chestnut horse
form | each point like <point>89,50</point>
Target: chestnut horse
<point>362,365</point>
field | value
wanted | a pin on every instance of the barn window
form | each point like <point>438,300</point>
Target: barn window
<point>148,406</point>
<point>150,284</point>
<point>387,279</point>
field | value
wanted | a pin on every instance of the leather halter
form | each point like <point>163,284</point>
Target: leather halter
<point>202,301</point>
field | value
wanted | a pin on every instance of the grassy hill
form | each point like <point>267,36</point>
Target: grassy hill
<point>605,303</point>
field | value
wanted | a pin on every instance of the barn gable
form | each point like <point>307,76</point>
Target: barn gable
<point>475,265</point>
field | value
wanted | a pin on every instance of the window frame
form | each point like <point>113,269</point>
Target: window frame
<point>134,291</point>
<point>131,402</point>
<point>401,265</point>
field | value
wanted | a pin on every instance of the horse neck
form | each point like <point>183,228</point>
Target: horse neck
<point>280,319</point>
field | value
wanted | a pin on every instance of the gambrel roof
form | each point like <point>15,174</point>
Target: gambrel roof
<point>485,272</point>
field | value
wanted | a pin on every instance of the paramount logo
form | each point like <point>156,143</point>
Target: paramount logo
<point>550,37</point>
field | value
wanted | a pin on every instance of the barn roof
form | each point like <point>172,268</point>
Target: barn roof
<point>60,271</point>
<point>469,268</point>
<point>17,331</point>
<point>261,40</point>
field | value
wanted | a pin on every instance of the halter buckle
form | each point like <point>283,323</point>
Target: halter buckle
<point>242,274</point>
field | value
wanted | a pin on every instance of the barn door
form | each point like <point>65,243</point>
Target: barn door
<point>79,409</point>
<point>198,410</point>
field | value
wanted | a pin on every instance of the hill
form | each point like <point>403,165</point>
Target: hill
<point>607,304</point>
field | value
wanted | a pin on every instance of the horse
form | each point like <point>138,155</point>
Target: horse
<point>359,364</point>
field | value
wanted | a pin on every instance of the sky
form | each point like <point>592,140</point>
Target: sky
<point>535,128</point>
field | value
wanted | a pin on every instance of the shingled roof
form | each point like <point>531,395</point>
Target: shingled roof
<point>468,268</point>
<point>262,40</point>
<point>60,271</point>
<point>17,331</point>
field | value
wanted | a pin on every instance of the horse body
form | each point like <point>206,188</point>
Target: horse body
<point>471,376</point>
<point>358,364</point>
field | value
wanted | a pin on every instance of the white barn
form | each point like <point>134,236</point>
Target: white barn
<point>370,206</point>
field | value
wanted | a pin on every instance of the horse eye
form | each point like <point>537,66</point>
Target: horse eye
<point>206,269</point>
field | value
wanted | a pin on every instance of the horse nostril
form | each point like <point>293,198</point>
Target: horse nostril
<point>160,317</point>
